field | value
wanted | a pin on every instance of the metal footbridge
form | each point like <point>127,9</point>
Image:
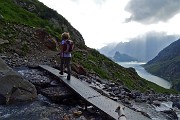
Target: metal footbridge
<point>104,104</point>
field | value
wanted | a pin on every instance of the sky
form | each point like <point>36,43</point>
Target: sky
<point>101,22</point>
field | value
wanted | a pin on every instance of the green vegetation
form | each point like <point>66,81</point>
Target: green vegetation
<point>14,13</point>
<point>25,49</point>
<point>35,14</point>
<point>93,61</point>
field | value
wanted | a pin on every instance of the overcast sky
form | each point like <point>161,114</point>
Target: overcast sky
<point>105,21</point>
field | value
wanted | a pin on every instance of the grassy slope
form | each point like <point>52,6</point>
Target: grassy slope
<point>106,68</point>
<point>14,13</point>
<point>91,59</point>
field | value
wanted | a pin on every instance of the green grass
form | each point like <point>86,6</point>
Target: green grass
<point>107,69</point>
<point>90,59</point>
<point>14,13</point>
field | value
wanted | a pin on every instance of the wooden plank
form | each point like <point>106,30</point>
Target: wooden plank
<point>103,103</point>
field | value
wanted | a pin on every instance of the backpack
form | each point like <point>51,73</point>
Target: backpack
<point>68,46</point>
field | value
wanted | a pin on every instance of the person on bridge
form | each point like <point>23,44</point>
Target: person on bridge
<point>65,54</point>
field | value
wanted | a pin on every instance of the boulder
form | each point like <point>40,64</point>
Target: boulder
<point>3,67</point>
<point>79,69</point>
<point>13,88</point>
<point>51,43</point>
<point>172,114</point>
<point>57,94</point>
<point>176,104</point>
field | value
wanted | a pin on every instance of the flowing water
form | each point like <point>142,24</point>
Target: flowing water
<point>42,108</point>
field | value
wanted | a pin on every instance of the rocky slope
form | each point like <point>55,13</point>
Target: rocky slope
<point>167,64</point>
<point>24,32</point>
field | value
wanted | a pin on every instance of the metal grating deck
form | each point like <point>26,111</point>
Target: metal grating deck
<point>103,103</point>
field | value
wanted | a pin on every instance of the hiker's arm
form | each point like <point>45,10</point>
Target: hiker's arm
<point>60,48</point>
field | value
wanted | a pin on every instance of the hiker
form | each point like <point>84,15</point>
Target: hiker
<point>65,55</point>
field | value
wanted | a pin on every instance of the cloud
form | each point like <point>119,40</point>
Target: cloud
<point>75,0</point>
<point>99,2</point>
<point>155,36</point>
<point>152,11</point>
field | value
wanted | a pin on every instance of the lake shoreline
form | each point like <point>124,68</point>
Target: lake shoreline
<point>145,74</point>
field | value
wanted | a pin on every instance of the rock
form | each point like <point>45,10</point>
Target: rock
<point>13,88</point>
<point>1,17</point>
<point>3,67</point>
<point>18,40</point>
<point>3,41</point>
<point>2,99</point>
<point>172,114</point>
<point>51,43</point>
<point>127,90</point>
<point>176,104</point>
<point>57,94</point>
<point>65,117</point>
<point>127,101</point>
<point>79,69</point>
<point>40,82</point>
<point>77,113</point>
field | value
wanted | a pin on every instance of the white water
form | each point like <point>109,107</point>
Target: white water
<point>144,74</point>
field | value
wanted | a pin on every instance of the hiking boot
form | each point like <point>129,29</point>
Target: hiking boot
<point>68,77</point>
<point>61,73</point>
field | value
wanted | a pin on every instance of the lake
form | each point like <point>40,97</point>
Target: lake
<point>144,74</point>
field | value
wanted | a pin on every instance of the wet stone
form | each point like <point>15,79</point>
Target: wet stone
<point>43,82</point>
<point>57,94</point>
<point>35,77</point>
<point>2,99</point>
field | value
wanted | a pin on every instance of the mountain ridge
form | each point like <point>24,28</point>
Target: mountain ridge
<point>123,57</point>
<point>167,64</point>
<point>24,42</point>
<point>143,48</point>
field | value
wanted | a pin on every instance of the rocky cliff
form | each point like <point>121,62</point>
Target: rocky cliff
<point>123,57</point>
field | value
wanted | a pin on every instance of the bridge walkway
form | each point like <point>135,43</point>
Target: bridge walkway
<point>106,105</point>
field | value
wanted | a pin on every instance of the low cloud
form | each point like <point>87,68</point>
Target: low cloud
<point>99,2</point>
<point>75,0</point>
<point>155,36</point>
<point>152,11</point>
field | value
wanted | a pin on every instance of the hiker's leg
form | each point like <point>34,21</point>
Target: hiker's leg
<point>68,65</point>
<point>62,66</point>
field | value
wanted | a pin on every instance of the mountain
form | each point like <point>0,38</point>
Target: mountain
<point>143,48</point>
<point>167,64</point>
<point>25,29</point>
<point>123,57</point>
